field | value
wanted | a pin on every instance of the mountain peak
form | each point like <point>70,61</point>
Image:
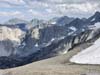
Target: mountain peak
<point>64,20</point>
<point>77,23</point>
<point>77,20</point>
<point>97,13</point>
<point>95,18</point>
<point>16,21</point>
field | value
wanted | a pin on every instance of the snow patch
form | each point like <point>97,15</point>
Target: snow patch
<point>72,28</point>
<point>91,55</point>
<point>95,26</point>
<point>70,33</point>
<point>52,39</point>
<point>36,45</point>
<point>53,22</point>
<point>93,19</point>
<point>65,52</point>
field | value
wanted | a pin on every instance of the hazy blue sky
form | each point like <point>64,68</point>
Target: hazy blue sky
<point>46,9</point>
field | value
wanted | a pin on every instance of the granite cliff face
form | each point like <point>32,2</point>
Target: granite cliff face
<point>10,38</point>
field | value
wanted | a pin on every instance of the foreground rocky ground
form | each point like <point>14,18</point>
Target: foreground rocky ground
<point>59,65</point>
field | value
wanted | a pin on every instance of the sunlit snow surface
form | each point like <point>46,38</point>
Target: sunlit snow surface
<point>95,26</point>
<point>90,55</point>
<point>73,28</point>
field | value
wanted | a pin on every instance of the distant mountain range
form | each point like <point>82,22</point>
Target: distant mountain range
<point>39,39</point>
<point>15,21</point>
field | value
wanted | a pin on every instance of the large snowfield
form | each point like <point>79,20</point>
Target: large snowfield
<point>91,55</point>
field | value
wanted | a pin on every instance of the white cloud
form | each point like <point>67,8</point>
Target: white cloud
<point>85,7</point>
<point>64,7</point>
<point>13,1</point>
<point>3,5</point>
<point>48,8</point>
<point>13,14</point>
<point>35,13</point>
<point>36,3</point>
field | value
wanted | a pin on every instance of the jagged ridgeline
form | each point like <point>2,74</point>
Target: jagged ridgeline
<point>23,43</point>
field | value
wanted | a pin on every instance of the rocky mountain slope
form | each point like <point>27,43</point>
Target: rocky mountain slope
<point>10,38</point>
<point>59,65</point>
<point>48,40</point>
<point>55,39</point>
<point>15,21</point>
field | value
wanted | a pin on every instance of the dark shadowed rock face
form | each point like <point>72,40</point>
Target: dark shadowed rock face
<point>78,23</point>
<point>64,20</point>
<point>93,19</point>
<point>8,62</point>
